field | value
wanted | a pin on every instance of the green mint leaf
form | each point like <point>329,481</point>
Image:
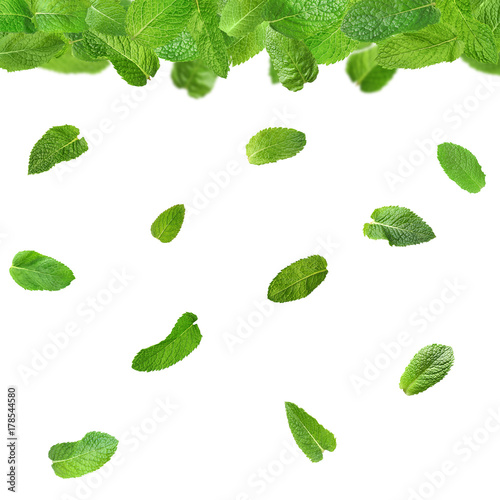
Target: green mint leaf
<point>168,224</point>
<point>81,457</point>
<point>399,226</point>
<point>134,62</point>
<point>106,16</point>
<point>242,49</point>
<point>56,16</point>
<point>240,17</point>
<point>68,63</point>
<point>311,437</point>
<point>273,144</point>
<point>373,20</point>
<point>298,280</point>
<point>428,367</point>
<point>461,166</point>
<point>363,69</point>
<point>157,22</point>
<point>15,17</point>
<point>194,76</point>
<point>432,45</point>
<point>478,38</point>
<point>183,340</point>
<point>19,51</point>
<point>488,12</point>
<point>329,47</point>
<point>305,18</point>
<point>56,145</point>
<point>33,271</point>
<point>272,73</point>
<point>204,28</point>
<point>292,60</point>
<point>492,69</point>
<point>182,49</point>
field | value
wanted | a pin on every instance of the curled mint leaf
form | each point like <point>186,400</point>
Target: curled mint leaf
<point>194,76</point>
<point>34,271</point>
<point>273,144</point>
<point>82,457</point>
<point>428,367</point>
<point>168,224</point>
<point>399,226</point>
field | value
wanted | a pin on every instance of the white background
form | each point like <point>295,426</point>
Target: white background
<point>229,425</point>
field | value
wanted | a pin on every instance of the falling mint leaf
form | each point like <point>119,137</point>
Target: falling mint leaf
<point>428,367</point>
<point>56,16</point>
<point>106,16</point>
<point>34,271</point>
<point>399,226</point>
<point>298,280</point>
<point>461,166</point>
<point>273,144</point>
<point>241,17</point>
<point>311,437</point>
<point>56,145</point>
<point>15,17</point>
<point>194,76</point>
<point>82,457</point>
<point>168,224</point>
<point>183,340</point>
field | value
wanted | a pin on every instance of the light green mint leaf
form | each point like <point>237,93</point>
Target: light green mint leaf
<point>81,457</point>
<point>311,437</point>
<point>242,49</point>
<point>432,45</point>
<point>194,76</point>
<point>19,51</point>
<point>272,73</point>
<point>429,366</point>
<point>56,145</point>
<point>492,69</point>
<point>134,62</point>
<point>106,16</point>
<point>15,17</point>
<point>292,60</point>
<point>305,18</point>
<point>461,166</point>
<point>488,12</point>
<point>204,28</point>
<point>363,69</point>
<point>68,63</point>
<point>56,16</point>
<point>33,271</point>
<point>373,20</point>
<point>168,224</point>
<point>183,340</point>
<point>399,226</point>
<point>182,49</point>
<point>241,17</point>
<point>273,144</point>
<point>157,22</point>
<point>298,280</point>
<point>478,37</point>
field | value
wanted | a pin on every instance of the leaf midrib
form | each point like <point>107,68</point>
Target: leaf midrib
<point>298,281</point>
<point>153,19</point>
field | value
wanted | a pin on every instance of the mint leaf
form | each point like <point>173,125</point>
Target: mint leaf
<point>15,16</point>
<point>363,69</point>
<point>182,49</point>
<point>298,280</point>
<point>183,340</point>
<point>157,22</point>
<point>273,144</point>
<point>68,63</point>
<point>204,28</point>
<point>242,49</point>
<point>432,45</point>
<point>272,73</point>
<point>292,60</point>
<point>461,166</point>
<point>81,457</point>
<point>19,51</point>
<point>168,224</point>
<point>56,16</point>
<point>194,76</point>
<point>488,12</point>
<point>106,16</point>
<point>33,271</point>
<point>311,437</point>
<point>305,18</point>
<point>399,226</point>
<point>373,20</point>
<point>56,145</point>
<point>492,69</point>
<point>241,17</point>
<point>428,367</point>
<point>329,47</point>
